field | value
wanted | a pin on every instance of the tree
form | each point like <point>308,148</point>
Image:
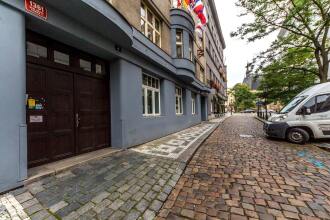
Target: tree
<point>306,25</point>
<point>288,75</point>
<point>243,97</point>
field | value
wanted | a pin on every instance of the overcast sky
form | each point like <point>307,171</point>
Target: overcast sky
<point>238,52</point>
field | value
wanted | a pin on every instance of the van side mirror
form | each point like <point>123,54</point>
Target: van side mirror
<point>305,111</point>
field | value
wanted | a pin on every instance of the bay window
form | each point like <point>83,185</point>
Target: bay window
<point>179,44</point>
<point>191,49</point>
<point>150,96</point>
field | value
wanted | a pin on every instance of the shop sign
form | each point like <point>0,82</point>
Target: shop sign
<point>36,9</point>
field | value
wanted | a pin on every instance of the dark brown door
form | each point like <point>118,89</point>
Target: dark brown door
<point>50,117</point>
<point>92,110</point>
<point>37,124</point>
<point>61,118</point>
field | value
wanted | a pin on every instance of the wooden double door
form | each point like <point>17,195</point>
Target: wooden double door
<point>67,114</point>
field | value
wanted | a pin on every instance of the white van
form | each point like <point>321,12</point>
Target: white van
<point>306,116</point>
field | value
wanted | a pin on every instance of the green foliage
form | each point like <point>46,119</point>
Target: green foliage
<point>304,24</point>
<point>243,97</point>
<point>288,75</point>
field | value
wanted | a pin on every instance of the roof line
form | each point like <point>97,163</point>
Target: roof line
<point>217,21</point>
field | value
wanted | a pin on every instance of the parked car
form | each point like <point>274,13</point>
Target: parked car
<point>248,111</point>
<point>306,116</point>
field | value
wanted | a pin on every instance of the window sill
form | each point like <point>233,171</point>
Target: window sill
<point>152,116</point>
<point>179,114</point>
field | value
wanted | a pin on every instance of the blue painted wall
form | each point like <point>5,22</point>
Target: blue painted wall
<point>13,150</point>
<point>129,126</point>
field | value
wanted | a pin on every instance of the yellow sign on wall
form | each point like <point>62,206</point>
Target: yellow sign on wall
<point>31,103</point>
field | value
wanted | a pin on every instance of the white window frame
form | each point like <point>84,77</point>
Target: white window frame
<point>152,25</point>
<point>179,43</point>
<point>145,89</point>
<point>178,100</point>
<point>193,104</point>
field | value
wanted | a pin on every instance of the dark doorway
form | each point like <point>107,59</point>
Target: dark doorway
<point>204,113</point>
<point>68,110</point>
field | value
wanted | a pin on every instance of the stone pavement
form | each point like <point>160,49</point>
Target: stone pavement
<point>238,174</point>
<point>127,185</point>
<point>131,184</point>
<point>174,145</point>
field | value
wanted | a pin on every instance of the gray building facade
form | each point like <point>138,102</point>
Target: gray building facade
<point>71,83</point>
<point>216,70</point>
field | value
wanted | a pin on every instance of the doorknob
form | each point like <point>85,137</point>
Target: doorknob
<point>77,120</point>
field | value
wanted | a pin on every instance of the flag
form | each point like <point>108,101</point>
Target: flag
<point>200,11</point>
<point>200,30</point>
<point>186,4</point>
<point>179,4</point>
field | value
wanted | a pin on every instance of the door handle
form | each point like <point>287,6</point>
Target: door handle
<point>77,120</point>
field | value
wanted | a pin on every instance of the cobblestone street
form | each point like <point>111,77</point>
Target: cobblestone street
<point>131,184</point>
<point>238,174</point>
<point>127,185</point>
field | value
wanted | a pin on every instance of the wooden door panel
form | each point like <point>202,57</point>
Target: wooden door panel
<point>84,109</point>
<point>37,138</point>
<point>61,114</point>
<point>38,148</point>
<point>93,110</point>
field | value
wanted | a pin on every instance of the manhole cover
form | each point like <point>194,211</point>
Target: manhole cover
<point>246,136</point>
<point>203,176</point>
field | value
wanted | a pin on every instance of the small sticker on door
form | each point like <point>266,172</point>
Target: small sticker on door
<point>31,103</point>
<point>36,119</point>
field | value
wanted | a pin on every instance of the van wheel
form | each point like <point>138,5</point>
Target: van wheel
<point>298,136</point>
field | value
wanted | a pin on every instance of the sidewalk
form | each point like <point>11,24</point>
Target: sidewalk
<point>129,184</point>
<point>181,145</point>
